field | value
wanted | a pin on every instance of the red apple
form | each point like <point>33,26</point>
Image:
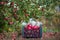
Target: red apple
<point>15,14</point>
<point>2,3</point>
<point>15,9</point>
<point>12,4</point>
<point>29,26</point>
<point>26,15</point>
<point>24,10</point>
<point>11,23</point>
<point>35,27</point>
<point>6,18</point>
<point>42,9</point>
<point>14,36</point>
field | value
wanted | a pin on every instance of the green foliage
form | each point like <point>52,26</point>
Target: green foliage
<point>27,9</point>
<point>45,29</point>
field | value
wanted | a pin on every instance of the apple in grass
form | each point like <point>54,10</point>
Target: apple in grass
<point>50,34</point>
<point>6,18</point>
<point>2,3</point>
<point>10,23</point>
<point>14,36</point>
<point>42,9</point>
<point>26,15</point>
<point>24,10</point>
<point>15,10</point>
<point>12,4</point>
<point>15,14</point>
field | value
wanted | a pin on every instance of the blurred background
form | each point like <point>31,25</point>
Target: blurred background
<point>14,12</point>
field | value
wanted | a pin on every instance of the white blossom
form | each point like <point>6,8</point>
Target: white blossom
<point>44,6</point>
<point>17,7</point>
<point>32,4</point>
<point>38,8</point>
<point>57,8</point>
<point>8,4</point>
<point>24,24</point>
<point>41,6</point>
